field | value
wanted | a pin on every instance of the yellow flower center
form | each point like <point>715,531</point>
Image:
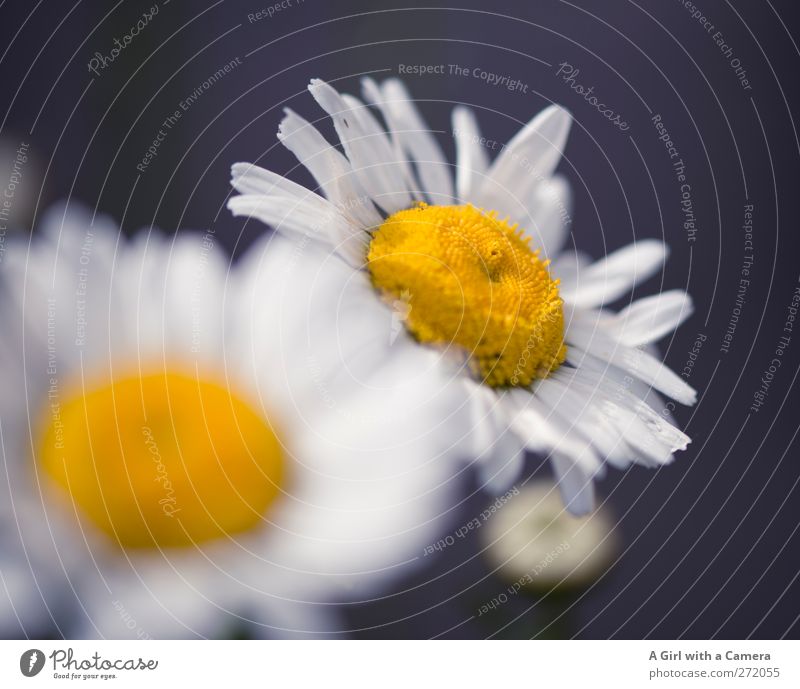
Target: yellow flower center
<point>163,459</point>
<point>465,277</point>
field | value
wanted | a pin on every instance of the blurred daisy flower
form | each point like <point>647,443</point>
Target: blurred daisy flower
<point>170,467</point>
<point>533,542</point>
<point>542,365</point>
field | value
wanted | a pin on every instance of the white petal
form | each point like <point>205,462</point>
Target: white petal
<point>497,476</point>
<point>550,212</point>
<point>649,440</point>
<point>367,146</point>
<point>486,423</point>
<point>531,156</point>
<point>295,208</point>
<point>498,449</point>
<point>586,419</point>
<point>303,219</point>
<point>626,393</point>
<point>618,273</point>
<point>330,169</point>
<point>414,136</point>
<point>621,382</point>
<point>633,360</point>
<point>649,319</point>
<point>368,499</point>
<point>252,179</point>
<point>287,299</point>
<point>190,309</point>
<point>530,422</point>
<point>543,430</point>
<point>577,488</point>
<point>582,340</point>
<point>472,159</point>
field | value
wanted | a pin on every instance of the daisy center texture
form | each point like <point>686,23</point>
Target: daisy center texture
<point>465,277</point>
<point>162,460</point>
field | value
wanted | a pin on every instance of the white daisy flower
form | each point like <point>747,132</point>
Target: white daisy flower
<point>481,262</point>
<point>170,469</point>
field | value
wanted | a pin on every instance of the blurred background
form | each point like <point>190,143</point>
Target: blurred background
<point>707,547</point>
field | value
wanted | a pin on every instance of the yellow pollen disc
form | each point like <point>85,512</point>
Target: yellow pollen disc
<point>162,460</point>
<point>470,279</point>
